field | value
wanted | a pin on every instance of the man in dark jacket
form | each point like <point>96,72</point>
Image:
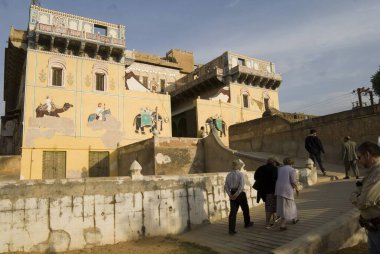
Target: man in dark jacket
<point>314,146</point>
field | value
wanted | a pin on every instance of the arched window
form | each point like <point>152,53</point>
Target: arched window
<point>57,70</point>
<point>245,97</point>
<point>100,77</point>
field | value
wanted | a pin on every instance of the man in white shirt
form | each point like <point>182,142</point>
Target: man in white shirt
<point>234,187</point>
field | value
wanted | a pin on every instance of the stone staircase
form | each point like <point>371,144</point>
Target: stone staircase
<point>328,222</point>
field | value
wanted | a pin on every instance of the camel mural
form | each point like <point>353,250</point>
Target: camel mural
<point>50,109</point>
<point>148,118</point>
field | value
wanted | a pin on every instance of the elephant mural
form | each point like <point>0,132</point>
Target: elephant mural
<point>218,123</point>
<point>147,118</point>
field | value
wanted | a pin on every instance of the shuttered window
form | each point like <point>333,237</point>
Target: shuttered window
<point>99,164</point>
<point>57,76</point>
<point>245,101</point>
<point>100,81</point>
<point>145,81</point>
<point>54,165</point>
<point>162,83</point>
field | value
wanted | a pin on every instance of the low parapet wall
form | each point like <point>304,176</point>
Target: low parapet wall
<point>60,215</point>
<point>218,157</point>
<point>182,156</point>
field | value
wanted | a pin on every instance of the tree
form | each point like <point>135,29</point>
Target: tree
<point>375,80</point>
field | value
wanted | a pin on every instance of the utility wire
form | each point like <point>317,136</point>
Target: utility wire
<point>324,101</point>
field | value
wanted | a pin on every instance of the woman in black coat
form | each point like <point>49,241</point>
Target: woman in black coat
<point>265,184</point>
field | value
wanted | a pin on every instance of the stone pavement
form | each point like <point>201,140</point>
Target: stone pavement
<point>317,205</point>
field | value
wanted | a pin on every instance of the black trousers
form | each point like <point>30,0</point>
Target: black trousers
<point>241,200</point>
<point>316,157</point>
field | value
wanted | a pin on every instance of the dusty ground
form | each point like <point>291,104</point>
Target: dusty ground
<point>160,245</point>
<point>155,245</point>
<point>169,245</point>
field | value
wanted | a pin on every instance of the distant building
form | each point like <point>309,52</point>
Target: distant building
<point>74,94</point>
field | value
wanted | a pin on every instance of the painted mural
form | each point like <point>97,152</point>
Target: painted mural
<point>102,120</point>
<point>222,94</point>
<point>50,109</point>
<point>147,118</point>
<point>219,124</point>
<point>101,113</point>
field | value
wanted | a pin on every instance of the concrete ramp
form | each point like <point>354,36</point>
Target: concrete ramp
<point>218,157</point>
<point>327,222</point>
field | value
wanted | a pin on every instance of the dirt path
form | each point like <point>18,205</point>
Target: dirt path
<point>154,245</point>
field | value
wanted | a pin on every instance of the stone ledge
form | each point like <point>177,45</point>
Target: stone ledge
<point>340,233</point>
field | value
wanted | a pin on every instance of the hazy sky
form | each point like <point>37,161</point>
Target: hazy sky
<point>323,48</point>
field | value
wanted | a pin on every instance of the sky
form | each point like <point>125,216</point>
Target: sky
<point>324,49</point>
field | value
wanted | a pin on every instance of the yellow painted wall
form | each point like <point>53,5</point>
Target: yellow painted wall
<point>256,97</point>
<point>71,132</point>
<point>233,112</point>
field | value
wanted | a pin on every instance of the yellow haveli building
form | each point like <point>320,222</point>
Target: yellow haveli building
<point>74,94</point>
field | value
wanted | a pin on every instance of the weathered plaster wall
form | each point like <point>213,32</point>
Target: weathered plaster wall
<point>276,135</point>
<point>218,158</point>
<point>142,152</point>
<point>163,156</point>
<point>179,156</point>
<point>10,167</point>
<point>60,215</point>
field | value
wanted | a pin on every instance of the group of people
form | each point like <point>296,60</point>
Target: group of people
<point>275,185</point>
<point>314,147</point>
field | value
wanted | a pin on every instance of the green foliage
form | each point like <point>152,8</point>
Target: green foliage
<point>375,80</point>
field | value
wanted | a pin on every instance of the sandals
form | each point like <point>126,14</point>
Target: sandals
<point>295,221</point>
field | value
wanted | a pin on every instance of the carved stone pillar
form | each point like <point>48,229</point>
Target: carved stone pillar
<point>136,171</point>
<point>51,43</point>
<point>81,49</point>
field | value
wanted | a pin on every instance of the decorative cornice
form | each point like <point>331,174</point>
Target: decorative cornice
<point>76,57</point>
<point>104,23</point>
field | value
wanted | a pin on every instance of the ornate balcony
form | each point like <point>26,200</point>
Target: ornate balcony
<point>250,76</point>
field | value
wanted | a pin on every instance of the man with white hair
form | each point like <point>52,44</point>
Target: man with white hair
<point>234,187</point>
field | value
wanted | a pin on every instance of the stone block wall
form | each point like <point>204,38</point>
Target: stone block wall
<point>60,215</point>
<point>279,136</point>
<point>179,156</point>
<point>163,156</point>
<point>142,151</point>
